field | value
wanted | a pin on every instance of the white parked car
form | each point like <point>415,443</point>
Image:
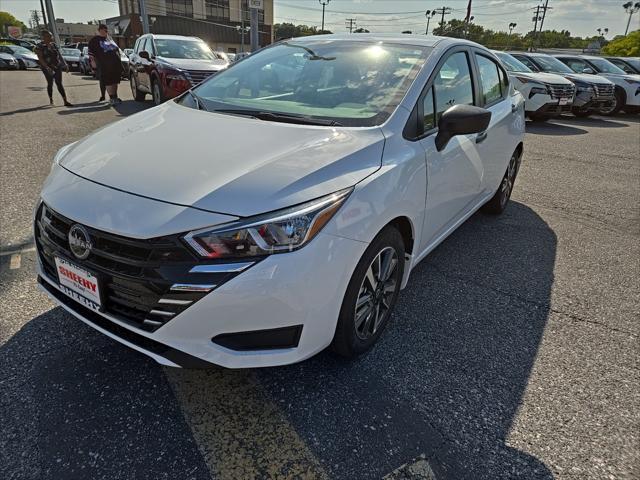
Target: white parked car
<point>72,56</point>
<point>594,94</point>
<point>546,95</point>
<point>26,58</point>
<point>627,90</point>
<point>627,64</point>
<point>250,224</point>
<point>8,62</point>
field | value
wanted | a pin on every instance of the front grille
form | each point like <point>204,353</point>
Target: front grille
<point>136,276</point>
<point>197,76</point>
<point>562,91</point>
<point>604,91</point>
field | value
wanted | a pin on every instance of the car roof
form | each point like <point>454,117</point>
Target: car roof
<point>177,37</point>
<point>405,39</point>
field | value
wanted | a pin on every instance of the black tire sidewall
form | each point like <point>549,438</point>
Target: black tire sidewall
<point>346,342</point>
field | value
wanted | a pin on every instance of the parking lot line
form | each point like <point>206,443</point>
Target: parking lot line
<point>241,433</point>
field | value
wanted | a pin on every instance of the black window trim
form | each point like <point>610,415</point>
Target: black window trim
<point>487,55</point>
<point>413,130</point>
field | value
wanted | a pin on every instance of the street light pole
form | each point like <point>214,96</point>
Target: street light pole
<point>324,3</point>
<point>429,14</point>
<point>52,21</point>
<point>630,8</point>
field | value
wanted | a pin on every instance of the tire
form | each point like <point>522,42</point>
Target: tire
<point>137,94</point>
<point>581,113</point>
<point>156,92</point>
<point>617,105</point>
<point>353,337</point>
<point>22,65</point>
<point>500,200</point>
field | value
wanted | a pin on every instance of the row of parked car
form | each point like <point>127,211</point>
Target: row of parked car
<point>580,84</point>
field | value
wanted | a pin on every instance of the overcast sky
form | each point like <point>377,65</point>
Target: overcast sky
<point>580,17</point>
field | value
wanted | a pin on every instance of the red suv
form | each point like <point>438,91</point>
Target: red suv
<point>167,65</point>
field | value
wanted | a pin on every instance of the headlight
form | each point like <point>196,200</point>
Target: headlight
<point>277,232</point>
<point>538,89</point>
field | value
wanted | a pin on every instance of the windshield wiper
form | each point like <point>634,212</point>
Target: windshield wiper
<point>198,101</point>
<point>279,117</point>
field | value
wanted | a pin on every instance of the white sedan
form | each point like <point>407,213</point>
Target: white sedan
<point>251,222</point>
<point>72,57</point>
<point>26,58</point>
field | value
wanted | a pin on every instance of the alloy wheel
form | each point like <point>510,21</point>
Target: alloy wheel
<point>509,178</point>
<point>157,97</point>
<point>376,293</point>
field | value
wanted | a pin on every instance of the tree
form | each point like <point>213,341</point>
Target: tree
<point>8,20</point>
<point>289,30</point>
<point>624,46</point>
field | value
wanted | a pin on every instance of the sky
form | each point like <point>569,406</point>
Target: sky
<point>580,17</point>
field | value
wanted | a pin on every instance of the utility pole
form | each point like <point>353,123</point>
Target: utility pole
<point>144,16</point>
<point>536,18</point>
<point>544,12</point>
<point>52,21</point>
<point>443,11</point>
<point>351,23</point>
<point>242,30</point>
<point>324,3</point>
<point>44,17</point>
<point>429,14</point>
<point>630,8</point>
<point>254,31</point>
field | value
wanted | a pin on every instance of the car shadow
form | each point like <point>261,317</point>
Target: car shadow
<point>124,109</point>
<point>448,376</point>
<point>593,122</point>
<point>446,379</point>
<point>553,129</point>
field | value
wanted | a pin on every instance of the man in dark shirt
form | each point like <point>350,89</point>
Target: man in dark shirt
<point>105,57</point>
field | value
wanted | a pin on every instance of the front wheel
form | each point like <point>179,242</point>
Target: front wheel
<point>615,106</point>
<point>22,65</point>
<point>137,94</point>
<point>371,294</point>
<point>156,92</point>
<point>499,201</point>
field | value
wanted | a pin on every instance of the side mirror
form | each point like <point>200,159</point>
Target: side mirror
<point>144,54</point>
<point>588,71</point>
<point>461,120</point>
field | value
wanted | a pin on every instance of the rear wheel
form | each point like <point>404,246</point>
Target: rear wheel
<point>499,201</point>
<point>137,94</point>
<point>371,294</point>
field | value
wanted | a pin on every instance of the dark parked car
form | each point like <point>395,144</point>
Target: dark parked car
<point>167,65</point>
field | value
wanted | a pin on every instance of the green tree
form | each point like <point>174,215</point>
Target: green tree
<point>8,20</point>
<point>622,46</point>
<point>289,30</point>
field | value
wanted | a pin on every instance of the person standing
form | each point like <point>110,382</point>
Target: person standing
<point>105,56</point>
<point>51,64</point>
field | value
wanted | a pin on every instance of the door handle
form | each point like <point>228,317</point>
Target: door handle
<point>481,137</point>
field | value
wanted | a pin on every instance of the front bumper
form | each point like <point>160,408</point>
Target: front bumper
<point>552,109</point>
<point>302,289</point>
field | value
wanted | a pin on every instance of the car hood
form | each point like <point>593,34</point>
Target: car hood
<point>617,76</point>
<point>583,77</point>
<point>222,163</point>
<point>542,77</point>
<point>28,56</point>
<point>190,64</point>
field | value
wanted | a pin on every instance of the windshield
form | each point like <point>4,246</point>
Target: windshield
<point>350,82</point>
<point>605,66</point>
<point>69,51</point>
<point>512,64</point>
<point>191,49</point>
<point>551,64</point>
<point>634,62</point>
<point>17,49</point>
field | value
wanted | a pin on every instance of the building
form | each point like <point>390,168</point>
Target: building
<point>218,22</point>
<point>74,32</point>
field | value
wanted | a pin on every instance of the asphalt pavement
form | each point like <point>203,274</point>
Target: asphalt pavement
<point>513,352</point>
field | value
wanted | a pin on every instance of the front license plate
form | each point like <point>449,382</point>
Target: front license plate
<point>78,283</point>
<point>563,101</point>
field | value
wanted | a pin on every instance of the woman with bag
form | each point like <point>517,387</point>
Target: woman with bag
<point>51,63</point>
<point>105,55</point>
